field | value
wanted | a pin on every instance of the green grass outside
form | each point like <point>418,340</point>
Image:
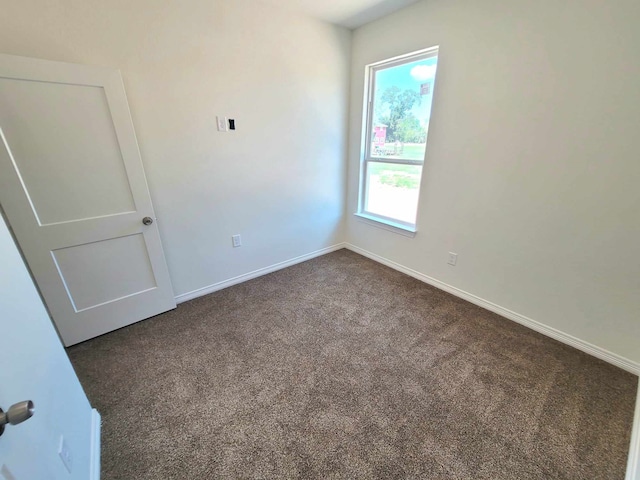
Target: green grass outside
<point>403,176</point>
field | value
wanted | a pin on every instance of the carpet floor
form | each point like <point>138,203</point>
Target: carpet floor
<point>341,368</point>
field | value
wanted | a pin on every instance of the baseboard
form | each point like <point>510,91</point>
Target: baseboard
<point>633,464</point>
<point>94,473</point>
<point>256,273</point>
<point>586,347</point>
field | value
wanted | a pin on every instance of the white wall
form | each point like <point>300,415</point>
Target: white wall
<point>533,166</point>
<point>278,180</point>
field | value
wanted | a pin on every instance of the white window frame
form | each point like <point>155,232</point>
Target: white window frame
<point>392,224</point>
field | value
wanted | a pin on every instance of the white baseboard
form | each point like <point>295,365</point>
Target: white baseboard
<point>633,464</point>
<point>94,472</point>
<point>587,347</point>
<point>256,273</point>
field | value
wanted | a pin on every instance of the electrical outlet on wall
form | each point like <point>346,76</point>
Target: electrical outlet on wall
<point>453,259</point>
<point>236,240</point>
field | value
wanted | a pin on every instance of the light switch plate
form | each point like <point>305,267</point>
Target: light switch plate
<point>223,125</point>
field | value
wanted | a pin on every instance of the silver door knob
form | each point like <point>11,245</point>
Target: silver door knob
<point>147,220</point>
<point>16,414</point>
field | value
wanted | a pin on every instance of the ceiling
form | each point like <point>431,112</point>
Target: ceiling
<point>348,13</point>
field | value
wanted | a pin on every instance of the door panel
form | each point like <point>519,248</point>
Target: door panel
<point>79,143</point>
<point>86,271</point>
<point>73,188</point>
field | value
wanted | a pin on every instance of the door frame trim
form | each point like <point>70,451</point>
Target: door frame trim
<point>96,425</point>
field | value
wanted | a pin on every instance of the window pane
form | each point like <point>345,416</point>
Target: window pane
<point>402,109</point>
<point>392,190</point>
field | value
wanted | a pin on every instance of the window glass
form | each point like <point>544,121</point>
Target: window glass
<point>397,124</point>
<point>402,109</point>
<point>393,190</point>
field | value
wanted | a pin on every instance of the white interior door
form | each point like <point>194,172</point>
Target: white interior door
<point>34,366</point>
<point>74,190</point>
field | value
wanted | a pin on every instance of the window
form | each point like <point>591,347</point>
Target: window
<point>400,93</point>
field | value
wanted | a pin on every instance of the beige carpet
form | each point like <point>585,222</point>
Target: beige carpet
<point>340,368</point>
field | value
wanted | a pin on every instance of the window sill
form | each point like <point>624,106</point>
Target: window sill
<point>386,225</point>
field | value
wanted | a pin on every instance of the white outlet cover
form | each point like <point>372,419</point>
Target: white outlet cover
<point>453,258</point>
<point>6,473</point>
<point>65,454</point>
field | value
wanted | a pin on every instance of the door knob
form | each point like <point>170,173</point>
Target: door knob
<point>147,220</point>
<point>16,414</point>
